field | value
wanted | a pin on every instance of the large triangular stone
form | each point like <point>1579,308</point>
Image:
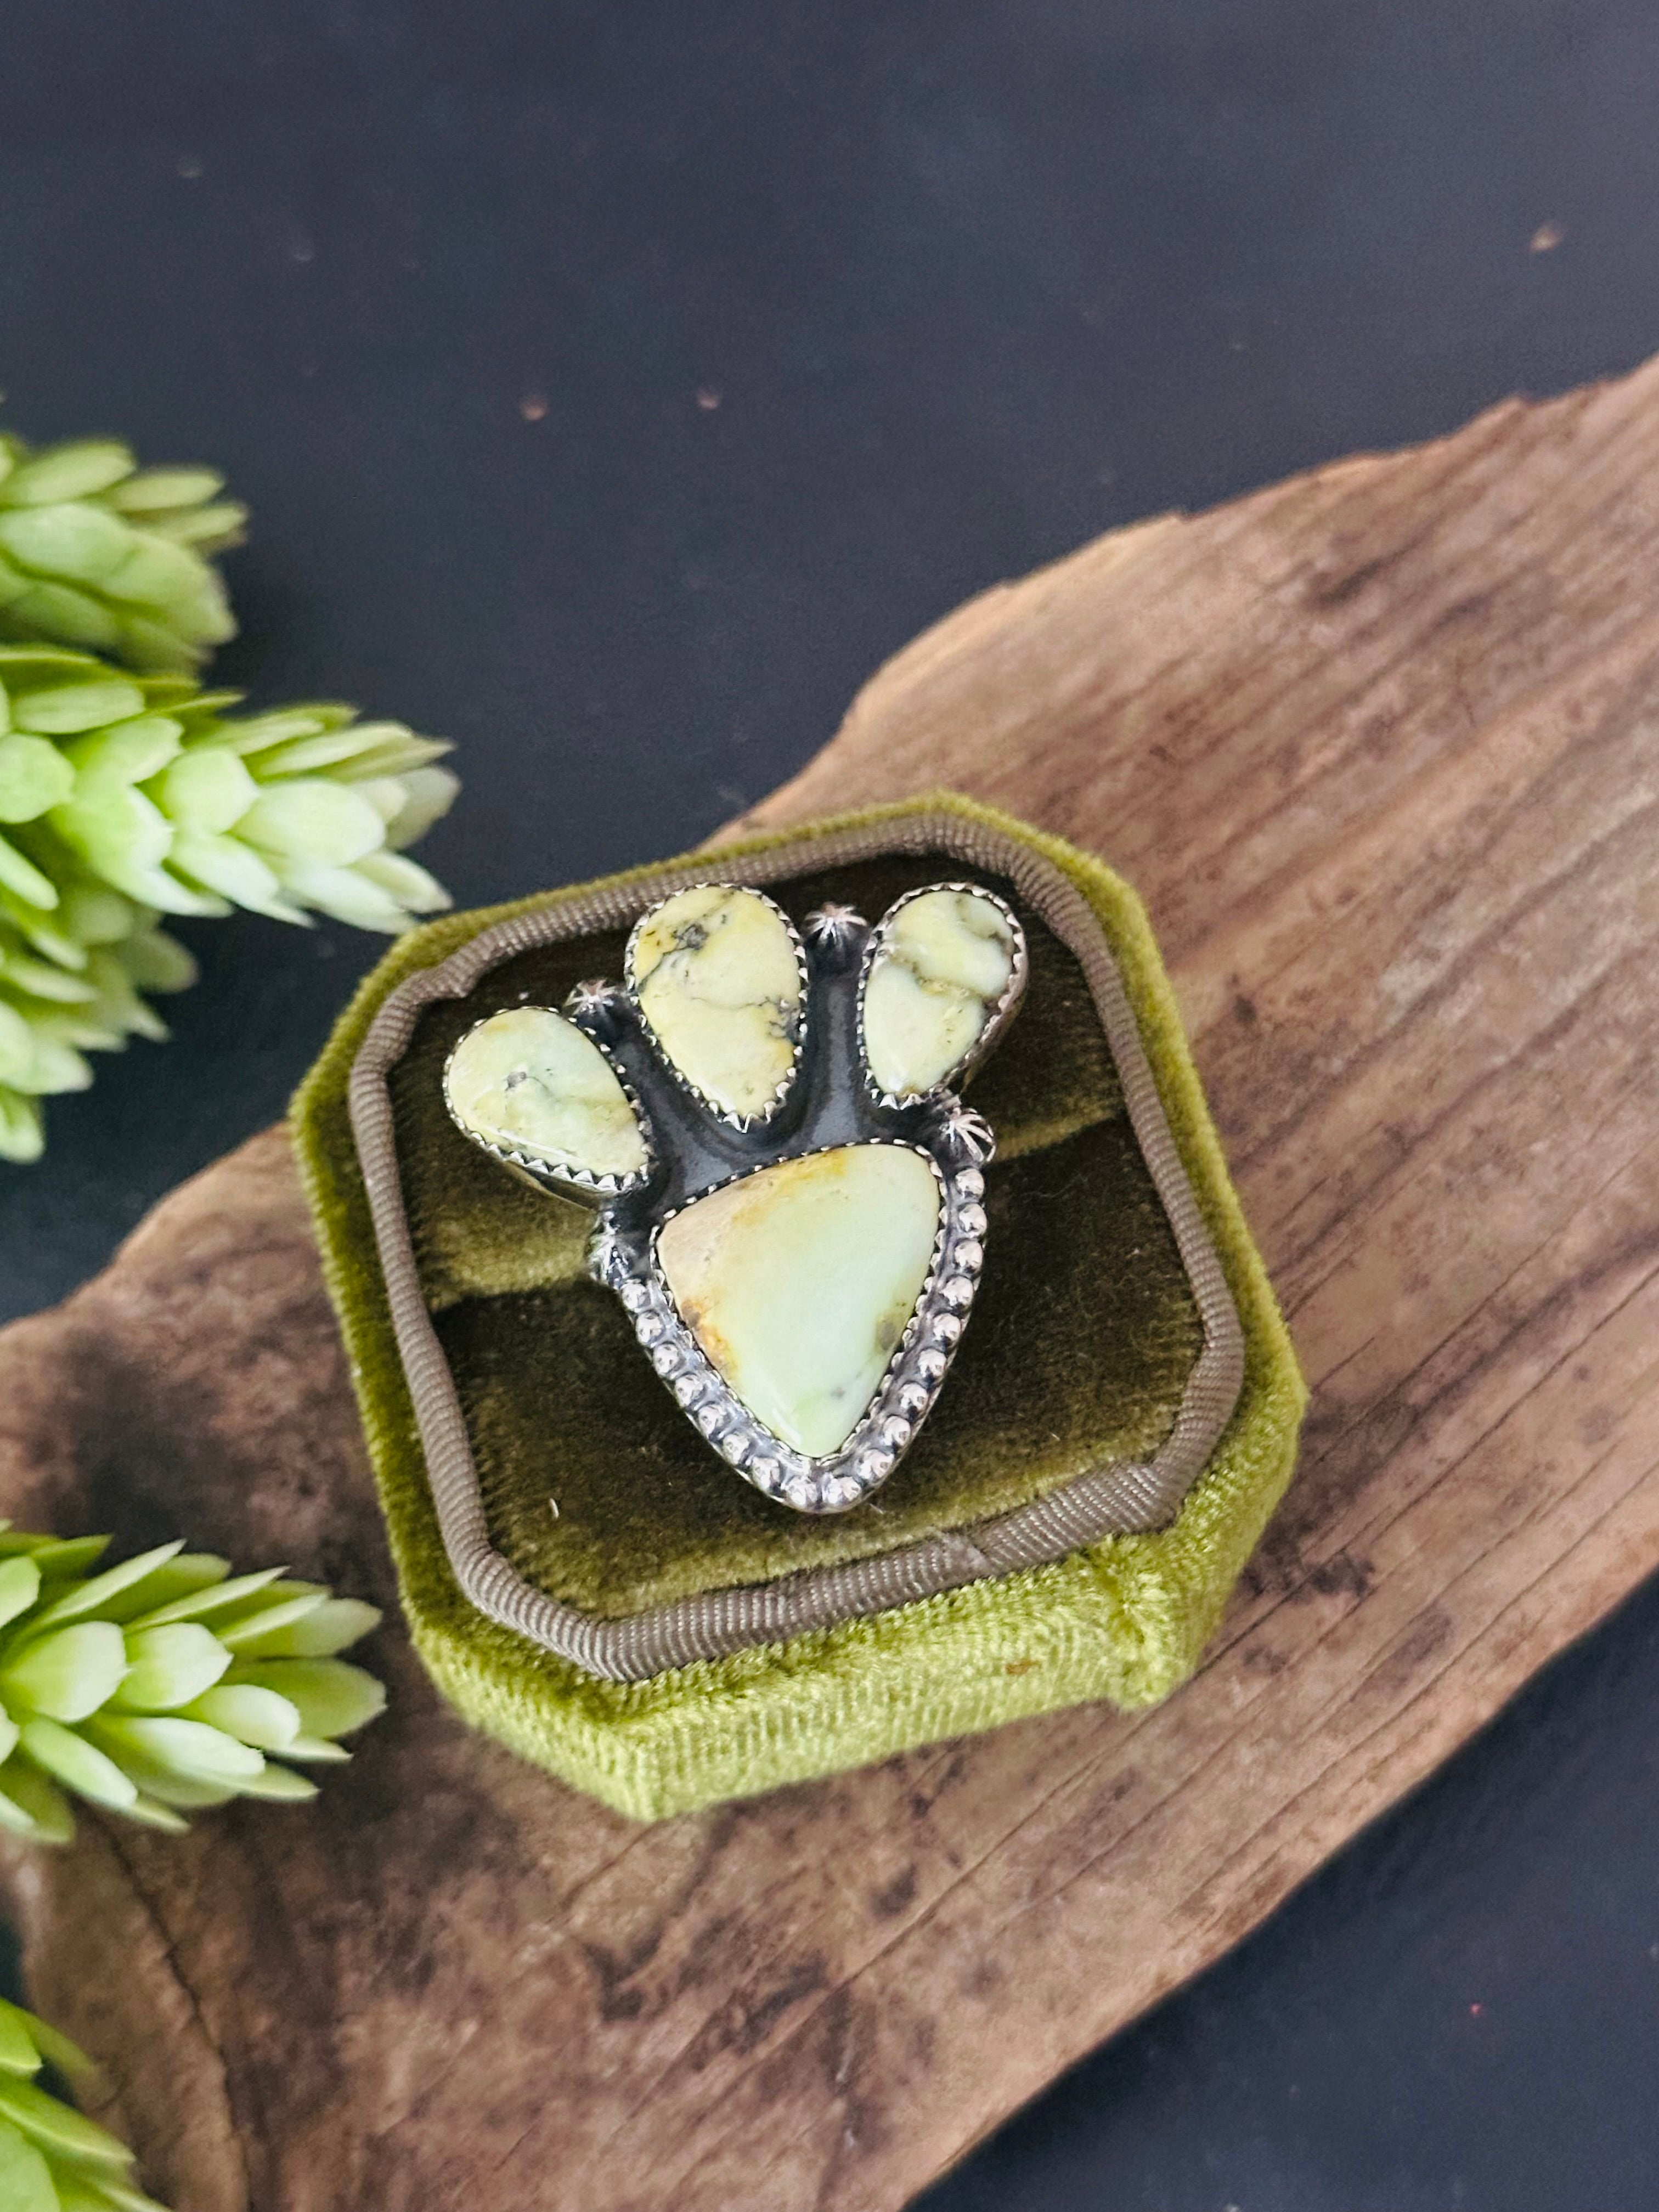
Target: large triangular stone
<point>798,1282</point>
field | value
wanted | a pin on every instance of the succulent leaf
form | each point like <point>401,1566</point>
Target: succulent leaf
<point>57,2126</point>
<point>317,1751</point>
<point>169,1666</point>
<point>262,1717</point>
<point>87,1596</point>
<point>158,491</point>
<point>20,1586</point>
<point>41,1810</point>
<point>280,1783</point>
<point>66,710</point>
<point>69,1674</point>
<point>244,1633</point>
<point>26,2183</point>
<point>332,1699</point>
<point>35,774</point>
<point>68,1757</point>
<point>327,1628</point>
<point>218,1595</point>
<point>191,1749</point>
<point>19,2053</point>
<point>58,1557</point>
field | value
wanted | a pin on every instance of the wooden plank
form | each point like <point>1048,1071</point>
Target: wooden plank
<point>1378,746</point>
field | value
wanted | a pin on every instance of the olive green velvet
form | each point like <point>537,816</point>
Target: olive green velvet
<point>1080,1346</point>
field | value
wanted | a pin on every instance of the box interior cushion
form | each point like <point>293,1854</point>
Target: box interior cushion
<point>1081,1344</point>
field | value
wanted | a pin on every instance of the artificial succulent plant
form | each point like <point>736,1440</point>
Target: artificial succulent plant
<point>124,798</point>
<point>127,796</point>
<point>165,1683</point>
<point>96,551</point>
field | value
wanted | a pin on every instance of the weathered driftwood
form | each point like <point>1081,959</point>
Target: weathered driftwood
<point>1379,747</point>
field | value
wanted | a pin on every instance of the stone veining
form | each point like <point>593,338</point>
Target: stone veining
<point>798,1282</point>
<point>940,968</point>
<point>529,1081</point>
<point>717,975</point>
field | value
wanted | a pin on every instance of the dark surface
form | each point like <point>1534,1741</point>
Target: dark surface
<point>614,388</point>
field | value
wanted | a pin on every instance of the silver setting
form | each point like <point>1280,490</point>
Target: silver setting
<point>602,1248</point>
<point>996,1022</point>
<point>967,1135</point>
<point>743,1123</point>
<point>840,1108</point>
<point>595,1005</point>
<point>834,1482</point>
<point>568,1182</point>
<point>836,931</point>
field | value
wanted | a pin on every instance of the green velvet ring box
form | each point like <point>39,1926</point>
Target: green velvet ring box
<point>588,1581</point>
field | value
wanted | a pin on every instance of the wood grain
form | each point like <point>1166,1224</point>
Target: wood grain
<point>1378,746</point>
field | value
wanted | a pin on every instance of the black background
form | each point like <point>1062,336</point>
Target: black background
<point>614,387</point>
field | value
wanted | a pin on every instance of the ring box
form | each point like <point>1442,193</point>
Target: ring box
<point>586,1579</point>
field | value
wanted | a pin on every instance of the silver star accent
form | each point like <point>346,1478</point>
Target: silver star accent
<point>836,929</point>
<point>608,1255</point>
<point>595,1001</point>
<point>968,1134</point>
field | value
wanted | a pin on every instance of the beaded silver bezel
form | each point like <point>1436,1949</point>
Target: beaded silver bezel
<point>578,1182</point>
<point>743,1123</point>
<point>962,1070</point>
<point>834,1482</point>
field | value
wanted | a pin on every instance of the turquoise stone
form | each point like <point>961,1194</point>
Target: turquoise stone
<point>532,1082</point>
<point>941,965</point>
<point>798,1282</point>
<point>715,972</point>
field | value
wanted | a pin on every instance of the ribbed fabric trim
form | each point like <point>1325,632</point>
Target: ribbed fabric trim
<point>1105,1501</point>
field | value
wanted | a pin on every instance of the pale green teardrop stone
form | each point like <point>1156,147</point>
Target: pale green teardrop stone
<point>798,1282</point>
<point>715,971</point>
<point>531,1080</point>
<point>940,968</point>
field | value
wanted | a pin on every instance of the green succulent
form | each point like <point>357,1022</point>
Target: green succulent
<point>96,551</point>
<point>53,2159</point>
<point>166,1683</point>
<point>123,797</point>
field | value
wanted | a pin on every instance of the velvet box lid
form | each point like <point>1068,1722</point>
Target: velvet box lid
<point>588,1581</point>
